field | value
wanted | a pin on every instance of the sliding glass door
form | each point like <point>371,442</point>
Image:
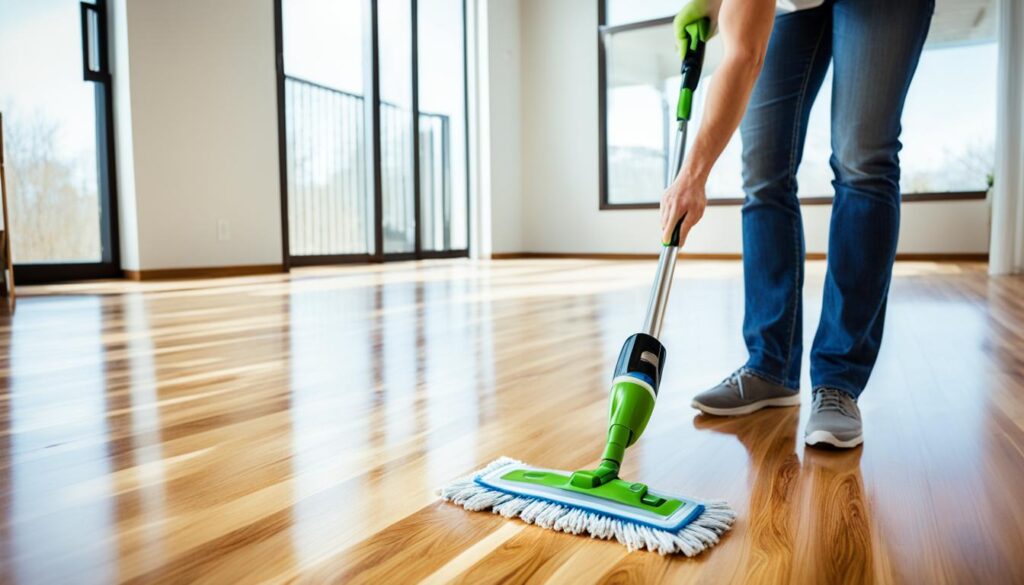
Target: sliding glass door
<point>374,125</point>
<point>441,80</point>
<point>55,103</point>
<point>395,60</point>
<point>328,198</point>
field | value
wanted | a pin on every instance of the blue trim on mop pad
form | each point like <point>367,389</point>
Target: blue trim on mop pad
<point>698,509</point>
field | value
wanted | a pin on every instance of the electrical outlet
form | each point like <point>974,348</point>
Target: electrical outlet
<point>223,230</point>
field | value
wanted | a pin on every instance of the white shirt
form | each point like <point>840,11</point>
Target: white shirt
<point>793,5</point>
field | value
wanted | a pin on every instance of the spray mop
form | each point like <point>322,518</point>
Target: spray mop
<point>598,502</point>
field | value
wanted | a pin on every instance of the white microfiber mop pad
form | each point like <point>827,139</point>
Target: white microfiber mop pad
<point>559,513</point>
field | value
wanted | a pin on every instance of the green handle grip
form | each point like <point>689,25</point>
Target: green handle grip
<point>697,34</point>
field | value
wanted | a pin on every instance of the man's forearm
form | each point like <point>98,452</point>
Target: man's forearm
<point>745,27</point>
<point>725,103</point>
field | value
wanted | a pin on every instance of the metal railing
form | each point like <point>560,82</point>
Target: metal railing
<point>435,182</point>
<point>330,202</point>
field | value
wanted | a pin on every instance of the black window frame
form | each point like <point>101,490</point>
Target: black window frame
<point>603,31</point>
<point>109,265</point>
<point>371,63</point>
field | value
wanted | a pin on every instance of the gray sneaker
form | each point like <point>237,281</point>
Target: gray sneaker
<point>744,393</point>
<point>835,420</point>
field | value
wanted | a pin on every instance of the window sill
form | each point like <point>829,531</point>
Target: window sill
<point>818,200</point>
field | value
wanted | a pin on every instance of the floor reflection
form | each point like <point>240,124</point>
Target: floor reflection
<point>835,544</point>
<point>809,521</point>
<point>334,380</point>
<point>142,510</point>
<point>769,436</point>
<point>61,515</point>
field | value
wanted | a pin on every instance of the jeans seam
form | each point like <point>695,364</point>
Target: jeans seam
<point>791,173</point>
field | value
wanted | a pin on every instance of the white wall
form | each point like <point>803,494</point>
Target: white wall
<point>128,224</point>
<point>498,121</point>
<point>196,116</point>
<point>1008,193</point>
<point>559,141</point>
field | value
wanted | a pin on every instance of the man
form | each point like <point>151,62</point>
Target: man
<point>874,47</point>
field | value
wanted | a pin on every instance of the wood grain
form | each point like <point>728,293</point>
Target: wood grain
<point>294,428</point>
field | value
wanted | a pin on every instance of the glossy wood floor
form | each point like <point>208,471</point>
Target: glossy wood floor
<point>282,428</point>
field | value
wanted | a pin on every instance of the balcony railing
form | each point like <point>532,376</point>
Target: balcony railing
<point>330,210</point>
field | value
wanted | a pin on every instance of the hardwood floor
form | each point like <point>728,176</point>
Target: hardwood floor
<point>295,427</point>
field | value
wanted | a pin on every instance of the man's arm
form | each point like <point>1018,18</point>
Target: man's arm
<point>745,26</point>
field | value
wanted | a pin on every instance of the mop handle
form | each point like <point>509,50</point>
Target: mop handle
<point>691,69</point>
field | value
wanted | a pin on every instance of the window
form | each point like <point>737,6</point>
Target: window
<point>330,207</point>
<point>948,130</point>
<point>442,102</point>
<point>631,11</point>
<point>374,177</point>
<point>57,133</point>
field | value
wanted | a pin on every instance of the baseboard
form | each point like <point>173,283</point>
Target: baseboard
<point>204,272</point>
<point>923,257</point>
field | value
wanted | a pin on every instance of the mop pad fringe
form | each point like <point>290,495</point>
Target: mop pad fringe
<point>697,536</point>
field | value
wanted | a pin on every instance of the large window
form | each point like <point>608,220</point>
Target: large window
<point>632,11</point>
<point>442,103</point>
<point>375,129</point>
<point>330,203</point>
<point>394,22</point>
<point>55,99</point>
<point>948,123</point>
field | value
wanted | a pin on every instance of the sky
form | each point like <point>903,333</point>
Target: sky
<point>41,70</point>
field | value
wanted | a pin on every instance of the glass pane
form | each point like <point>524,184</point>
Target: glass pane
<point>443,200</point>
<point>641,68</point>
<point>626,11</point>
<point>329,207</point>
<point>394,21</point>
<point>642,86</point>
<point>49,134</point>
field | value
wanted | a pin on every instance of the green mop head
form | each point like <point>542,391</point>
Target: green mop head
<point>628,512</point>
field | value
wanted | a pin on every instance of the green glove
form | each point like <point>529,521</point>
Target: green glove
<point>689,26</point>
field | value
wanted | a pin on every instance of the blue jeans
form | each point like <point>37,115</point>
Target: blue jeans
<point>874,47</point>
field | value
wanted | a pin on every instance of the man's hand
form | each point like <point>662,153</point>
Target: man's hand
<point>690,13</point>
<point>685,199</point>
